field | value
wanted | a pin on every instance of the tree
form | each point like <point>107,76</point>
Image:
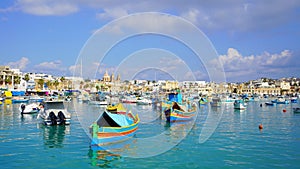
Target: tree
<point>41,83</point>
<point>81,84</point>
<point>62,79</point>
<point>17,80</point>
<point>8,80</point>
<point>49,84</point>
<point>56,83</point>
<point>97,88</point>
<point>1,79</point>
<point>27,78</point>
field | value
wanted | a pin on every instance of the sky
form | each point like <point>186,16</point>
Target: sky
<point>251,39</point>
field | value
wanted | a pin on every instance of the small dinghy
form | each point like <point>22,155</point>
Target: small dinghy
<point>29,109</point>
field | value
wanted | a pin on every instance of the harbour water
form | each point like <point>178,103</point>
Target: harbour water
<point>236,143</point>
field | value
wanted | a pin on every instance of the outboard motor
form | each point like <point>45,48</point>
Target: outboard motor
<point>61,117</point>
<point>52,118</point>
<point>22,108</point>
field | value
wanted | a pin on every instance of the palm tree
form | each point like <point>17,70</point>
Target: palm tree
<point>62,80</point>
<point>1,79</point>
<point>41,83</point>
<point>27,78</point>
<point>8,80</point>
<point>81,84</point>
<point>56,83</point>
<point>17,80</point>
<point>49,83</point>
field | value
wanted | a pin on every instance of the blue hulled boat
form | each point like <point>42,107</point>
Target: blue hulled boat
<point>114,125</point>
<point>280,100</point>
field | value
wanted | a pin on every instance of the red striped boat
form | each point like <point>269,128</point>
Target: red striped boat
<point>114,126</point>
<point>177,114</point>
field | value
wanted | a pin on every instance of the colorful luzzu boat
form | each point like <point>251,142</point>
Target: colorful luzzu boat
<point>114,126</point>
<point>203,101</point>
<point>176,113</point>
<point>175,110</point>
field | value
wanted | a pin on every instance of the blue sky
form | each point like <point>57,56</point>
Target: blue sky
<point>253,39</point>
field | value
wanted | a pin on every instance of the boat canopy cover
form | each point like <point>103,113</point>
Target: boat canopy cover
<point>108,119</point>
<point>175,97</point>
<point>116,108</point>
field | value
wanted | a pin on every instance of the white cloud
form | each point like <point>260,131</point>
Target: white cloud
<point>46,7</point>
<point>232,15</point>
<point>52,67</point>
<point>20,64</point>
<point>250,67</point>
<point>112,13</point>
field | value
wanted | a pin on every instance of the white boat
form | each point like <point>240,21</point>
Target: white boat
<point>55,113</point>
<point>36,98</point>
<point>228,99</point>
<point>129,99</point>
<point>216,102</point>
<point>100,102</point>
<point>29,109</point>
<point>270,103</point>
<point>68,99</point>
<point>143,101</point>
<point>280,100</point>
<point>296,110</point>
<point>239,104</point>
<point>83,98</point>
<point>97,100</point>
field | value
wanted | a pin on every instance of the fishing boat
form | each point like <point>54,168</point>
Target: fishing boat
<point>29,109</point>
<point>54,113</point>
<point>97,99</point>
<point>203,101</point>
<point>84,97</point>
<point>296,110</point>
<point>36,98</point>
<point>294,100</point>
<point>98,102</point>
<point>239,104</point>
<point>143,101</point>
<point>129,99</point>
<point>228,99</point>
<point>19,100</point>
<point>68,99</point>
<point>280,100</point>
<point>177,113</point>
<point>114,126</point>
<point>270,104</point>
<point>215,102</point>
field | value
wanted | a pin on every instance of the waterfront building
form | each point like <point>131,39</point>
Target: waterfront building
<point>8,77</point>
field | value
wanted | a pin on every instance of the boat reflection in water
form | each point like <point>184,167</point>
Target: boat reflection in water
<point>54,135</point>
<point>109,155</point>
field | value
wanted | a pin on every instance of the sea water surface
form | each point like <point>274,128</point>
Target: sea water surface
<point>236,143</point>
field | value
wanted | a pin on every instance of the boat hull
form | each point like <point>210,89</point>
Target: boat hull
<point>239,104</point>
<point>109,135</point>
<point>20,101</point>
<point>296,110</point>
<point>29,109</point>
<point>269,104</point>
<point>179,116</point>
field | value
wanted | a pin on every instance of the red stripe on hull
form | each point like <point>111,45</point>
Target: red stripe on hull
<point>100,135</point>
